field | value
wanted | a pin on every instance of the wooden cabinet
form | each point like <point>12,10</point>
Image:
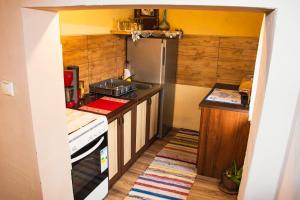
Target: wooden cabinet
<point>146,122</point>
<point>113,149</point>
<point>223,138</point>
<point>153,126</point>
<point>120,150</point>
<point>141,116</point>
<point>129,133</point>
<point>127,137</point>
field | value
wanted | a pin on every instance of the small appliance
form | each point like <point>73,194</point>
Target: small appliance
<point>71,82</point>
<point>245,90</point>
<point>87,137</point>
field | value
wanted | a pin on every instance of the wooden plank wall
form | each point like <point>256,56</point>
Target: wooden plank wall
<point>99,57</point>
<point>205,60</point>
<point>202,60</point>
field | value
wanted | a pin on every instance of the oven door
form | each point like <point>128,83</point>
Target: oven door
<point>89,167</point>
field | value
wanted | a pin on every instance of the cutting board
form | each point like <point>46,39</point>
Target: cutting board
<point>104,105</point>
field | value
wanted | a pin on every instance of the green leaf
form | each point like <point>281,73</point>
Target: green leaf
<point>234,167</point>
<point>240,172</point>
<point>235,180</point>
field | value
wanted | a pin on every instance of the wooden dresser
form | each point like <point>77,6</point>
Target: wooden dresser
<point>224,130</point>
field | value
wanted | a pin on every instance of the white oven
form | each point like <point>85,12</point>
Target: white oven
<point>89,154</point>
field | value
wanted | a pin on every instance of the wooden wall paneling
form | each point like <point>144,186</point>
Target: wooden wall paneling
<point>205,60</point>
<point>236,54</point>
<point>99,57</point>
<point>75,57</point>
<point>199,51</point>
<point>120,63</point>
<point>102,69</point>
<point>72,43</point>
<point>101,53</point>
<point>196,40</point>
<point>237,57</point>
<point>197,60</point>
<point>100,41</point>
<point>233,71</point>
<point>197,71</point>
<point>202,60</point>
<point>239,42</point>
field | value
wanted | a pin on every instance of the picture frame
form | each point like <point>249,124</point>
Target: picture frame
<point>149,18</point>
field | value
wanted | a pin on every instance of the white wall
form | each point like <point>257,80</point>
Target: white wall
<point>273,130</point>
<point>186,109</point>
<point>290,176</point>
<point>19,175</point>
<point>46,92</point>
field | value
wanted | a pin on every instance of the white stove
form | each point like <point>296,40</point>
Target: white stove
<point>87,136</point>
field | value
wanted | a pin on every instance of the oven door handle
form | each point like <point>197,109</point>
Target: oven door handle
<point>87,152</point>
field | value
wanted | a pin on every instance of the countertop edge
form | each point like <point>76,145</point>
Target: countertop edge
<point>220,105</point>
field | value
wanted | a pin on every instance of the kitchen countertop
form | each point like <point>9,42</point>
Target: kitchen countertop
<point>141,94</point>
<point>134,97</point>
<point>221,105</point>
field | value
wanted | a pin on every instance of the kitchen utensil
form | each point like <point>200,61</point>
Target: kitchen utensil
<point>69,91</point>
<point>70,104</point>
<point>68,77</point>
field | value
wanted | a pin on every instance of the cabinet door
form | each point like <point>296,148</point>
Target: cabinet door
<point>127,137</point>
<point>113,148</point>
<point>223,138</point>
<point>153,116</point>
<point>141,113</point>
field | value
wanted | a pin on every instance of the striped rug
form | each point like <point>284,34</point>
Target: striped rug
<point>172,172</point>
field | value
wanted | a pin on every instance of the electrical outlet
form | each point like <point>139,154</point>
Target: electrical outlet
<point>7,87</point>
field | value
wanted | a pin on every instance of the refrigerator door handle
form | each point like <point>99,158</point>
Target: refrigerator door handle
<point>164,56</point>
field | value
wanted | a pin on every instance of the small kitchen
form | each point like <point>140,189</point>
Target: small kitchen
<point>136,76</point>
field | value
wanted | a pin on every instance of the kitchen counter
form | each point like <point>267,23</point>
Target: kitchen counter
<point>134,97</point>
<point>223,135</point>
<point>141,94</point>
<point>221,105</point>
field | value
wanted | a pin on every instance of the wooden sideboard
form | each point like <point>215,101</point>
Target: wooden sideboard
<point>224,130</point>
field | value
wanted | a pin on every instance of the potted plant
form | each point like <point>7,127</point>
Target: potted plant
<point>231,179</point>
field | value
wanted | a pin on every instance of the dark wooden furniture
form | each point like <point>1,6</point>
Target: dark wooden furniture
<point>224,130</point>
<point>149,20</point>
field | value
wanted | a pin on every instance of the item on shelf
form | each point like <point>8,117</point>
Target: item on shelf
<point>124,25</point>
<point>245,89</point>
<point>136,35</point>
<point>147,18</point>
<point>164,24</point>
<point>127,74</point>
<point>81,88</point>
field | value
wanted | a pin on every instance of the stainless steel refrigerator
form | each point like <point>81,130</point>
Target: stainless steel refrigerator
<point>154,60</point>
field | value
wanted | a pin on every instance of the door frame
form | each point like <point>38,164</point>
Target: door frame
<point>266,121</point>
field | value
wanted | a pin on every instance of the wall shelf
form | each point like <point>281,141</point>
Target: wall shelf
<point>150,33</point>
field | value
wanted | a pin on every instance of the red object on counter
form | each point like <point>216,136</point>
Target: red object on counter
<point>104,105</point>
<point>68,77</point>
<point>70,104</point>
